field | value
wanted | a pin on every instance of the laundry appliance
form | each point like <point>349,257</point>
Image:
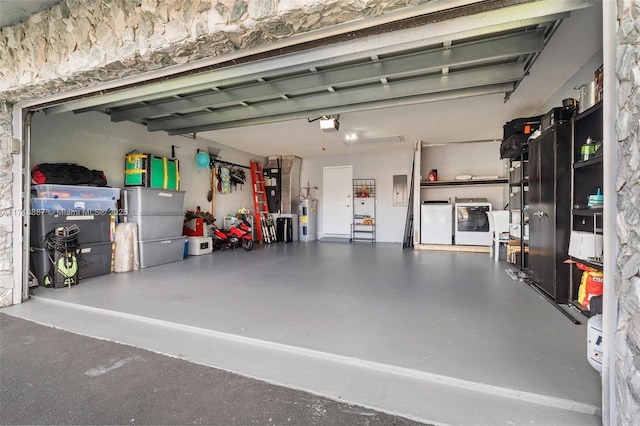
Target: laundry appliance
<point>436,222</point>
<point>471,222</point>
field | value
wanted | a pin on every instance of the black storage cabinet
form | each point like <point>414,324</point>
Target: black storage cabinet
<point>550,209</point>
<point>273,187</point>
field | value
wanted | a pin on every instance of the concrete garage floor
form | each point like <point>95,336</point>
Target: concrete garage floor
<point>433,336</point>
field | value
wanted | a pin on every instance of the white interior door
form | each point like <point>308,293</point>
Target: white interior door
<point>336,197</point>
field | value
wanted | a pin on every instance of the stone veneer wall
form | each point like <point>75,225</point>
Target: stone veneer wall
<point>627,344</point>
<point>80,43</point>
<point>6,204</point>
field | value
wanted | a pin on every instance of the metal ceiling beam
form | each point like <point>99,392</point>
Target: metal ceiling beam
<point>405,88</point>
<point>536,12</point>
<point>412,39</point>
<point>423,62</point>
<point>343,109</point>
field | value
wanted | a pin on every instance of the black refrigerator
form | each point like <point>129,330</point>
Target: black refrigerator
<point>550,210</point>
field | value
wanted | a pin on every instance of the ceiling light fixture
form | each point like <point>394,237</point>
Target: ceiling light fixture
<point>351,137</point>
<point>363,141</point>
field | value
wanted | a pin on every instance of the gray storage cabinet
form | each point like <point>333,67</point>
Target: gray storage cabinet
<point>159,215</point>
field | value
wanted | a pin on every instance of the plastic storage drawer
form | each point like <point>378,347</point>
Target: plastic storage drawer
<point>159,252</point>
<point>39,263</point>
<point>154,227</point>
<point>153,201</point>
<point>93,228</point>
<point>72,205</point>
<point>94,260</point>
<point>73,198</point>
<point>58,192</point>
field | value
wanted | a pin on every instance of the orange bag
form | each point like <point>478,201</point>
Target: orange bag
<point>591,284</point>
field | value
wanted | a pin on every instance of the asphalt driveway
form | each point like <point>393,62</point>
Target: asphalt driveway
<point>49,376</point>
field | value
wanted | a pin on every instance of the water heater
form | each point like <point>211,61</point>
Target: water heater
<point>308,220</point>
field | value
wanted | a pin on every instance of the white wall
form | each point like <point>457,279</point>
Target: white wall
<point>475,159</point>
<point>584,75</point>
<point>92,140</point>
<point>381,166</point>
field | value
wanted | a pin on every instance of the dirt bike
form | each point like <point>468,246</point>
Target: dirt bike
<point>236,236</point>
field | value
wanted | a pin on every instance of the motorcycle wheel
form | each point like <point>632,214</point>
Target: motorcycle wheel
<point>247,244</point>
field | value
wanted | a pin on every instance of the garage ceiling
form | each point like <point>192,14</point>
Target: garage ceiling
<point>478,50</point>
<point>490,65</point>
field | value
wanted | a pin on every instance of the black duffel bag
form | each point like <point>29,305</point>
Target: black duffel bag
<point>513,146</point>
<point>67,174</point>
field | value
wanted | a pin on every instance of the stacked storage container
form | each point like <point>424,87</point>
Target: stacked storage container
<point>151,171</point>
<point>159,216</point>
<point>91,209</point>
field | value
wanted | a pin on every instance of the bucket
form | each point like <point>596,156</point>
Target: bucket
<point>588,150</point>
<point>587,96</point>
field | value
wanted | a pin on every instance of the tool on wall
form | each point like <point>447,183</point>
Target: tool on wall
<point>306,192</point>
<point>209,158</point>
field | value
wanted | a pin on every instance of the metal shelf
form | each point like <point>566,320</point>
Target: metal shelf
<point>592,263</point>
<point>364,209</point>
<point>592,211</point>
<point>519,176</point>
<point>597,160</point>
<point>577,305</point>
<point>470,182</point>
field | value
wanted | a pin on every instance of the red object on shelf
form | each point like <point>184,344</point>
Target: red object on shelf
<point>433,175</point>
<point>193,227</point>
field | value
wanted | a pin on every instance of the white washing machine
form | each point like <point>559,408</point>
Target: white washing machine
<point>436,222</point>
<point>472,222</point>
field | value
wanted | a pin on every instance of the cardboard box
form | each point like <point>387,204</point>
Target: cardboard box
<point>583,245</point>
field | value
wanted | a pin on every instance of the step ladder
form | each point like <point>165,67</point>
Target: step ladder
<point>264,224</point>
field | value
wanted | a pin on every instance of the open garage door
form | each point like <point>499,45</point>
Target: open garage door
<point>480,49</point>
